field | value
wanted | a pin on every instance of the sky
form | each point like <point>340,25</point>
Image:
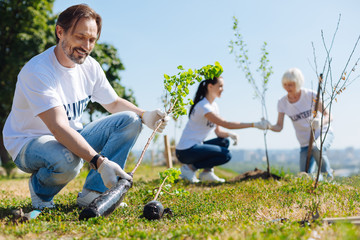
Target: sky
<point>154,37</point>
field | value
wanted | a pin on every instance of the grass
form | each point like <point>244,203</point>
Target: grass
<point>239,210</point>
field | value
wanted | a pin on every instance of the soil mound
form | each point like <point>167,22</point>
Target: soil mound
<point>257,173</point>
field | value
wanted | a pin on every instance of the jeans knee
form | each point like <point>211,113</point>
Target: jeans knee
<point>228,157</point>
<point>134,122</point>
<point>68,169</point>
<point>226,142</point>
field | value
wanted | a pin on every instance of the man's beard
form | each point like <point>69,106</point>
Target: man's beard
<point>71,53</point>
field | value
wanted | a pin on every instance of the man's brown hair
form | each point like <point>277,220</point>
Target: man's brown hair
<point>70,17</point>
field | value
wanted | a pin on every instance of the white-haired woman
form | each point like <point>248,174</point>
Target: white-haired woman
<point>299,105</point>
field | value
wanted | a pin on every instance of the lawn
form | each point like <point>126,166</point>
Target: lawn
<point>234,210</point>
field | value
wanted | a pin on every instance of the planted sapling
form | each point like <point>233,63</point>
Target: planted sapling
<point>154,209</point>
<point>238,47</point>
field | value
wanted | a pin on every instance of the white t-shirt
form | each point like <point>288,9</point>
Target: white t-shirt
<point>198,127</point>
<point>301,115</point>
<point>43,83</point>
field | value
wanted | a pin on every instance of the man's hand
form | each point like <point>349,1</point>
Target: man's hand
<point>263,124</point>
<point>109,171</point>
<point>234,137</point>
<point>153,118</point>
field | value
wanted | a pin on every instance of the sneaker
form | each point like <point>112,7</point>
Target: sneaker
<point>86,197</point>
<point>210,177</point>
<point>188,174</point>
<point>37,202</point>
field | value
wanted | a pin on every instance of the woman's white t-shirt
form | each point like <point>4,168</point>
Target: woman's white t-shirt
<point>198,127</point>
<point>43,83</point>
<point>300,114</point>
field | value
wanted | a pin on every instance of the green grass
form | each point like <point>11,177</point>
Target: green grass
<point>240,210</point>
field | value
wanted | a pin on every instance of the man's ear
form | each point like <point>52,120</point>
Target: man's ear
<point>59,31</point>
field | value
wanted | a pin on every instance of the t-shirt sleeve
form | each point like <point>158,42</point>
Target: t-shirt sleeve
<point>103,92</point>
<point>280,106</point>
<point>39,90</point>
<point>206,109</point>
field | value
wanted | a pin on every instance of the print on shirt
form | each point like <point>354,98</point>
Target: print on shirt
<point>75,110</point>
<point>302,115</point>
<point>210,124</point>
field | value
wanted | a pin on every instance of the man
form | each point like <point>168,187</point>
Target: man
<point>43,132</point>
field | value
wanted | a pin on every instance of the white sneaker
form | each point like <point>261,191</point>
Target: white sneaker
<point>188,174</point>
<point>86,197</point>
<point>37,202</point>
<point>210,177</point>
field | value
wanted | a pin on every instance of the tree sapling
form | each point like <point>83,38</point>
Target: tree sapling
<point>154,209</point>
<point>242,58</point>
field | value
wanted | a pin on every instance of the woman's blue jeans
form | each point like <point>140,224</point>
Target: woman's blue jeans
<point>211,153</point>
<point>325,164</point>
<point>53,166</point>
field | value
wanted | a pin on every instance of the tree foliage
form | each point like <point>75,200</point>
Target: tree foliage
<point>26,28</point>
<point>107,56</point>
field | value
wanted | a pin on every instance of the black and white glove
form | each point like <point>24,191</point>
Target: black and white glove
<point>109,172</point>
<point>153,118</point>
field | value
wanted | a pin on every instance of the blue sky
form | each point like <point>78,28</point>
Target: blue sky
<point>154,37</point>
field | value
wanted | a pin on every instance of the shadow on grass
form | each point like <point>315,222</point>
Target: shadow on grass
<point>63,212</point>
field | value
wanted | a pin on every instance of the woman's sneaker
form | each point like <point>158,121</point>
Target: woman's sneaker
<point>37,202</point>
<point>188,174</point>
<point>210,177</point>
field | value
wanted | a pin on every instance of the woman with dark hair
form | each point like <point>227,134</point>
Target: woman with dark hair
<point>192,150</point>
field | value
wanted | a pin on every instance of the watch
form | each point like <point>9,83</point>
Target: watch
<point>93,162</point>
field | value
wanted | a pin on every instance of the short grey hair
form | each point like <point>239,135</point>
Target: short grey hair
<point>293,75</point>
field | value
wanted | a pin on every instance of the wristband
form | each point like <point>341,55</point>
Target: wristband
<point>93,162</point>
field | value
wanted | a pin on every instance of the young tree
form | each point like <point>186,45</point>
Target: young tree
<point>154,209</point>
<point>331,85</point>
<point>238,47</point>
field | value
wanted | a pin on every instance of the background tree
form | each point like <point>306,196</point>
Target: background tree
<point>27,28</point>
<point>107,56</point>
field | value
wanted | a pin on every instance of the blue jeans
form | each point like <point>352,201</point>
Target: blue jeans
<point>53,166</point>
<point>325,164</point>
<point>211,153</point>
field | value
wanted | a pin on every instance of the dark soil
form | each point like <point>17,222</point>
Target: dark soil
<point>257,173</point>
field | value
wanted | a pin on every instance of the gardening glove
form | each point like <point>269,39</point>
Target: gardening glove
<point>234,137</point>
<point>109,171</point>
<point>317,142</point>
<point>263,124</point>
<point>316,123</point>
<point>154,118</point>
